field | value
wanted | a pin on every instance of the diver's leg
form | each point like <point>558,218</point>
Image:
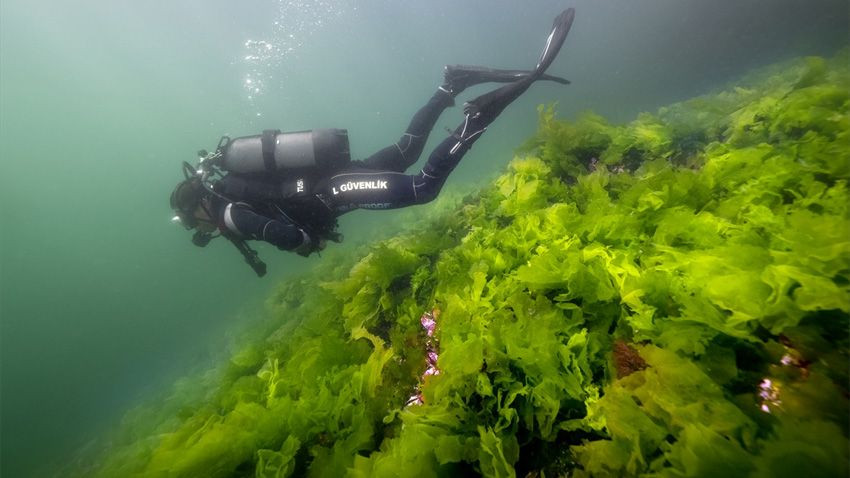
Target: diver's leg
<point>443,160</point>
<point>367,189</point>
<point>401,155</point>
<point>406,151</point>
<point>456,78</point>
<point>391,189</point>
<point>479,114</point>
<point>482,111</point>
<point>372,189</point>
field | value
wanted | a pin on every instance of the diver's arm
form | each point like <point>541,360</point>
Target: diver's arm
<point>246,223</point>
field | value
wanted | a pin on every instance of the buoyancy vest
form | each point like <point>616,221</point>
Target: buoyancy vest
<point>272,196</point>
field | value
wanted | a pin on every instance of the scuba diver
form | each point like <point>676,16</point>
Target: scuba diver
<point>288,188</point>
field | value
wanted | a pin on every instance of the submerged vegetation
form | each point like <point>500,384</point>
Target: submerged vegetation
<point>669,297</point>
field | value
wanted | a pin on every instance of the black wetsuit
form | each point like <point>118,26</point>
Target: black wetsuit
<point>255,210</point>
<point>298,213</point>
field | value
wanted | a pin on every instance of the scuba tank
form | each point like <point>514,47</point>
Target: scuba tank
<point>277,171</point>
<point>318,151</point>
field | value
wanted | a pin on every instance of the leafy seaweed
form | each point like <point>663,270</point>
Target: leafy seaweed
<point>669,297</point>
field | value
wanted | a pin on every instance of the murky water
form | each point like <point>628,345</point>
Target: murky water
<point>104,302</point>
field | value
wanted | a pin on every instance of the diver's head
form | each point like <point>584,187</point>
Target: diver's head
<point>192,206</point>
<point>186,199</point>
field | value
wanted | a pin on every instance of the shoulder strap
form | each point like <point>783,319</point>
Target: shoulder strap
<point>269,141</point>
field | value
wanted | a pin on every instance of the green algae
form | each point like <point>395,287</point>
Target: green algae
<point>668,297</point>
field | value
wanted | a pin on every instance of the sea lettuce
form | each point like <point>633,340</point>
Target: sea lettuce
<point>668,297</point>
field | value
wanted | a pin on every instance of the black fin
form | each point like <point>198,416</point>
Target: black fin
<point>487,107</point>
<point>560,29</point>
<point>460,77</point>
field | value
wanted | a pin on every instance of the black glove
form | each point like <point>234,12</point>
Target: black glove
<point>308,246</point>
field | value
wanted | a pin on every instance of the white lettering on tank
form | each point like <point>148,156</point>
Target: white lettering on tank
<point>299,186</point>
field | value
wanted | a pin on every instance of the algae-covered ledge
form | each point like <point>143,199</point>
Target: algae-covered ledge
<point>668,297</point>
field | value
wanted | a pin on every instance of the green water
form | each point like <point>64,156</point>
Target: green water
<point>104,302</point>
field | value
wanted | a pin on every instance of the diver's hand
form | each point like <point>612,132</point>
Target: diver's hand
<point>309,245</point>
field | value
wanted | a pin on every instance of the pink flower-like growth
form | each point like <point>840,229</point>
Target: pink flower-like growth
<point>769,394</point>
<point>429,323</point>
